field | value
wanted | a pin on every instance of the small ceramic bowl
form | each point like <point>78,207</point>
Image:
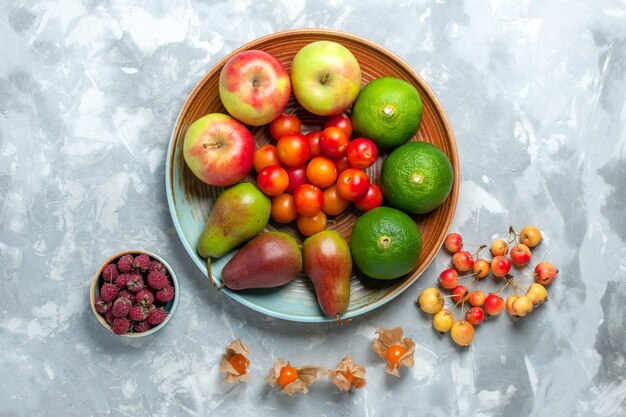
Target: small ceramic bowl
<point>97,282</point>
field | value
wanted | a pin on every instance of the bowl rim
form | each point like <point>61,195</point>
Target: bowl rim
<point>453,196</point>
<point>94,288</point>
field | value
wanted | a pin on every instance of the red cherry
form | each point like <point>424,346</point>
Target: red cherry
<point>352,184</point>
<point>494,304</point>
<point>340,121</point>
<point>463,261</point>
<point>500,266</point>
<point>342,163</point>
<point>459,293</point>
<point>475,315</point>
<point>372,199</point>
<point>545,273</point>
<point>297,177</point>
<point>453,242</point>
<point>362,153</point>
<point>476,298</point>
<point>448,279</point>
<point>334,142</point>
<point>520,255</point>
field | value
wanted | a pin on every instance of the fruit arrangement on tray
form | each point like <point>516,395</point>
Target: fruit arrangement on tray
<point>306,177</point>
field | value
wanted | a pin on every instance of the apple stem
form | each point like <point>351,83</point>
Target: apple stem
<point>325,78</point>
<point>212,144</point>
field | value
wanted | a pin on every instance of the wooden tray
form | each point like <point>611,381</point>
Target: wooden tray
<point>190,200</point>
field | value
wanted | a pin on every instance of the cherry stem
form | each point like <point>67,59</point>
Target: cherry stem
<point>481,247</point>
<point>514,284</point>
<point>475,245</point>
<point>502,289</point>
<point>472,281</point>
<point>514,234</point>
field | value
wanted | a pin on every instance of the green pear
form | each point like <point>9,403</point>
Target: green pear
<point>328,263</point>
<point>240,213</point>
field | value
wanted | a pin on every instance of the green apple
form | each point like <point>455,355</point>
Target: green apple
<point>325,77</point>
<point>254,87</point>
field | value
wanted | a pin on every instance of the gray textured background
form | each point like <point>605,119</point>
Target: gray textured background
<point>89,93</point>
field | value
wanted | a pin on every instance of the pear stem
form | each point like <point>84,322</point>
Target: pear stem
<point>343,321</point>
<point>210,274</point>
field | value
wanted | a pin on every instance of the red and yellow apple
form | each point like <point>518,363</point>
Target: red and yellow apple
<point>218,149</point>
<point>254,87</point>
<point>325,77</point>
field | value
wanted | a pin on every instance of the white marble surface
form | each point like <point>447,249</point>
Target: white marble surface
<point>89,93</point>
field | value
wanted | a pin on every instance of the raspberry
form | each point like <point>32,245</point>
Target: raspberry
<point>135,283</point>
<point>141,326</point>
<point>125,263</point>
<point>109,317</point>
<point>121,307</point>
<point>122,279</point>
<point>137,313</point>
<point>157,316</point>
<point>142,262</point>
<point>157,266</point>
<point>109,273</point>
<point>120,326</point>
<point>102,306</point>
<point>108,292</point>
<point>127,294</point>
<point>157,280</point>
<point>144,297</point>
<point>165,294</point>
